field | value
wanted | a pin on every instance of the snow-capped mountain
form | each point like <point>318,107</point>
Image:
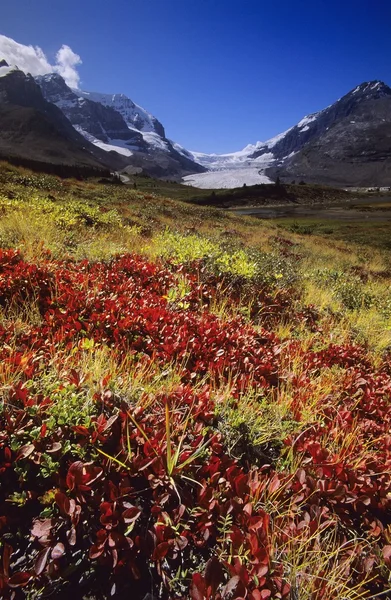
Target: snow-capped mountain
<point>347,143</point>
<point>135,116</point>
<point>35,130</point>
<point>115,123</point>
<point>100,124</point>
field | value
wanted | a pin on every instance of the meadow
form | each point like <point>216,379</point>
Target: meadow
<point>193,404</point>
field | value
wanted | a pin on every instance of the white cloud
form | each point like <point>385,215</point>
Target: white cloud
<point>67,60</point>
<point>32,59</point>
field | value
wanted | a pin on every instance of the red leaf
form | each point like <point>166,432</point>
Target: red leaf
<point>198,587</point>
<point>58,551</point>
<point>131,514</point>
<point>71,535</point>
<point>41,560</point>
<point>81,430</point>
<point>6,558</point>
<point>96,551</point>
<point>20,579</point>
<point>63,503</point>
<point>82,475</point>
<point>25,451</point>
<point>301,476</point>
<point>56,446</point>
<point>110,422</point>
<point>161,550</point>
<point>274,484</point>
<point>181,542</point>
<point>234,586</point>
<point>42,529</point>
<point>214,574</point>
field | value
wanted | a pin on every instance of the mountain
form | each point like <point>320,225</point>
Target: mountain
<point>94,120</point>
<point>114,122</point>
<point>33,129</point>
<point>135,116</point>
<point>347,143</point>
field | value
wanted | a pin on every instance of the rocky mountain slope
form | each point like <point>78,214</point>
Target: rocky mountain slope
<point>43,119</point>
<point>33,129</point>
<point>347,143</point>
<point>114,122</point>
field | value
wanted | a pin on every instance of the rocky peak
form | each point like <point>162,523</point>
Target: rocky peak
<point>370,89</point>
<point>134,115</point>
<point>18,88</point>
<point>92,119</point>
<point>55,89</point>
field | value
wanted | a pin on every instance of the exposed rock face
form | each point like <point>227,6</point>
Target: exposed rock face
<point>115,122</point>
<point>348,143</point>
<point>134,115</point>
<point>102,122</point>
<point>35,129</point>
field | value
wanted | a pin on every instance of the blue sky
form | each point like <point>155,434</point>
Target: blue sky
<point>219,74</point>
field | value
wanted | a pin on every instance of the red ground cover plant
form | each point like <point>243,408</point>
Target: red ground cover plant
<point>143,496</point>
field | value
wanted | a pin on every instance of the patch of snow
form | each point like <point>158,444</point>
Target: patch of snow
<point>306,120</point>
<point>116,145</point>
<point>218,162</point>
<point>182,150</point>
<point>356,90</point>
<point>6,70</point>
<point>228,178</point>
<point>265,159</point>
<point>64,103</point>
<point>306,128</point>
<point>273,141</point>
<point>289,155</point>
<point>154,140</point>
<point>133,114</point>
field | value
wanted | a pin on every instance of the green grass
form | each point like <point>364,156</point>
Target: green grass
<point>376,234</point>
<point>342,268</point>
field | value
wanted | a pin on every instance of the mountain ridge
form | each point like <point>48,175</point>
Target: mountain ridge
<point>32,128</point>
<point>115,122</point>
<point>346,143</point>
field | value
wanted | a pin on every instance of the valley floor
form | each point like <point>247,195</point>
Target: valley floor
<point>193,404</point>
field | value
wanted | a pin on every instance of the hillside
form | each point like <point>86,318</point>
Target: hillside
<point>34,129</point>
<point>194,405</point>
